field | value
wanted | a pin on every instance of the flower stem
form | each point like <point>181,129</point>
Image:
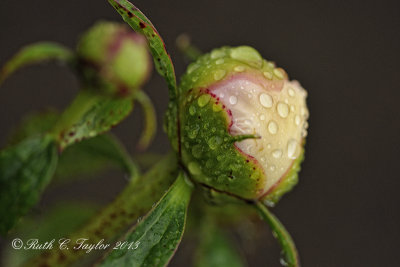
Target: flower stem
<point>291,257</point>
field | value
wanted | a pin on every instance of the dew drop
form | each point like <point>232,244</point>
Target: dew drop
<point>283,109</point>
<point>277,153</point>
<point>297,120</point>
<point>219,61</point>
<point>214,142</point>
<point>266,100</point>
<point>278,73</point>
<point>272,127</point>
<point>262,117</point>
<point>233,100</point>
<point>192,67</point>
<point>194,168</point>
<point>219,74</point>
<point>291,148</point>
<point>203,100</point>
<point>217,54</point>
<point>197,151</point>
<point>267,75</point>
<point>272,168</point>
<point>239,68</point>
<point>248,55</point>
<point>291,92</point>
<point>192,110</point>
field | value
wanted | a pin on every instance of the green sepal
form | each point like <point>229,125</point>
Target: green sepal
<point>208,150</point>
<point>156,238</point>
<point>36,53</point>
<point>25,170</point>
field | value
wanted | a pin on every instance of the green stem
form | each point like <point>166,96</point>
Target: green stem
<point>134,201</point>
<point>187,49</point>
<point>37,53</point>
<point>291,257</point>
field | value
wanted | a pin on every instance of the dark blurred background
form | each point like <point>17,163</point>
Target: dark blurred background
<point>345,210</point>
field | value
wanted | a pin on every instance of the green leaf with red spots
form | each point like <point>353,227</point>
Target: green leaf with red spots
<point>138,21</point>
<point>155,239</point>
<point>25,170</point>
<point>36,53</point>
<point>90,115</point>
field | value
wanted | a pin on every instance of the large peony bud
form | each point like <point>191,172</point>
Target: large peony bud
<point>113,58</point>
<point>243,124</point>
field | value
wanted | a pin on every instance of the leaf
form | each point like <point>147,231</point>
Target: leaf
<point>25,169</point>
<point>56,223</point>
<point>216,249</point>
<point>138,21</point>
<point>94,155</point>
<point>150,119</point>
<point>134,201</point>
<point>291,257</point>
<point>90,114</point>
<point>36,53</point>
<point>156,238</point>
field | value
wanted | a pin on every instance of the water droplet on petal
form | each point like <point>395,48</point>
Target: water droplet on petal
<point>197,151</point>
<point>278,73</point>
<point>219,61</point>
<point>219,74</point>
<point>291,148</point>
<point>262,117</point>
<point>277,153</point>
<point>194,168</point>
<point>203,100</point>
<point>217,54</point>
<point>283,109</point>
<point>214,142</point>
<point>272,127</point>
<point>233,100</point>
<point>192,110</point>
<point>267,75</point>
<point>272,167</point>
<point>291,92</point>
<point>248,55</point>
<point>239,68</point>
<point>297,120</point>
<point>266,100</point>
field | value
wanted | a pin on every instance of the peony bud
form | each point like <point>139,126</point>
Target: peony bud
<point>243,124</point>
<point>113,58</point>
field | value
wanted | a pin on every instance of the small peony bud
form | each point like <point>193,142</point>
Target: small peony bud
<point>243,124</point>
<point>114,58</point>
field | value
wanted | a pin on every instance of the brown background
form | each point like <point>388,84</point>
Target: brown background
<point>345,210</point>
